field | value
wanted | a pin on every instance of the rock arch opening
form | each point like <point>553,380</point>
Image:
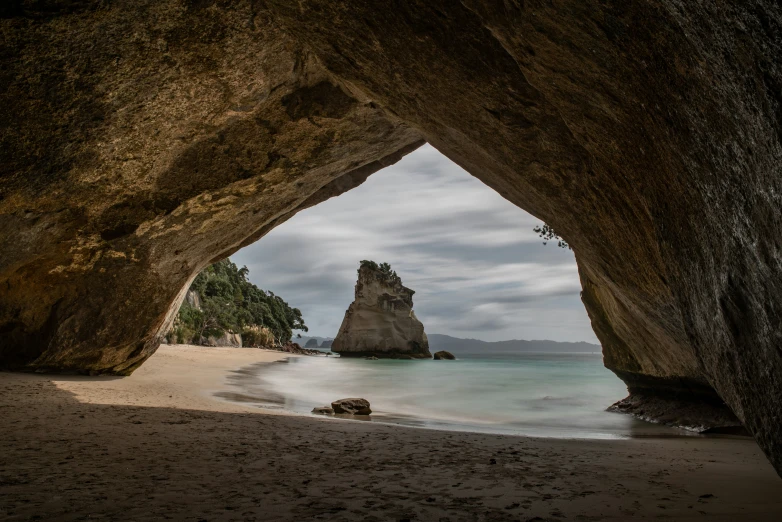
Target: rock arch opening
<point>476,265</point>
<point>478,271</point>
<point>647,134</point>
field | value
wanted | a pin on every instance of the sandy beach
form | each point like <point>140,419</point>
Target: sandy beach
<point>160,445</point>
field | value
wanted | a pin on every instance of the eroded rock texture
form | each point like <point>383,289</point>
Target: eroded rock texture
<point>380,322</point>
<point>142,140</point>
<point>647,133</point>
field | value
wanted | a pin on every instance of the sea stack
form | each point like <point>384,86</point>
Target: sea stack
<point>380,322</point>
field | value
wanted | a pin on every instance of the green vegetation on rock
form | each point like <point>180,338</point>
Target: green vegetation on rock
<point>231,303</point>
<point>549,234</point>
<point>385,268</point>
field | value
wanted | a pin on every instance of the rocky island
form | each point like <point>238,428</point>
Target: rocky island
<point>380,322</point>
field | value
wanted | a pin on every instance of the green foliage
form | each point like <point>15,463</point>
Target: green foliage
<point>258,336</point>
<point>369,264</point>
<point>385,268</point>
<point>548,234</point>
<point>229,302</point>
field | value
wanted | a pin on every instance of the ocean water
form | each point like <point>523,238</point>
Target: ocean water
<point>546,395</point>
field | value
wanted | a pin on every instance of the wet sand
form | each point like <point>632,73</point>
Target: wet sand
<point>159,445</point>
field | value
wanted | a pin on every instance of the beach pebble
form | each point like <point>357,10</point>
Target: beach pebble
<point>352,406</point>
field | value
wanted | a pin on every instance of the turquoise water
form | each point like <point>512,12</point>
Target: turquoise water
<point>549,395</point>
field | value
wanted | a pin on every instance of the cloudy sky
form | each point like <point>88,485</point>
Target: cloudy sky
<point>477,267</point>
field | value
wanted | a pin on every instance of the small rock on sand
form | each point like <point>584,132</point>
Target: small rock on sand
<point>352,406</point>
<point>323,410</point>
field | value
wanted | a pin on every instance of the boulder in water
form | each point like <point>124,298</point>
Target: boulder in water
<point>443,355</point>
<point>352,406</point>
<point>323,410</point>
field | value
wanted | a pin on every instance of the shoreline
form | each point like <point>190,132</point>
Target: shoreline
<point>156,445</point>
<point>181,374</point>
<point>247,386</point>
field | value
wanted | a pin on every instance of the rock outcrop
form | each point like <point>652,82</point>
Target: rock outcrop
<point>352,406</point>
<point>326,344</point>
<point>647,133</point>
<point>311,343</point>
<point>295,348</point>
<point>681,412</point>
<point>380,321</point>
<point>227,340</point>
<point>443,355</point>
<point>190,131</point>
<point>193,299</point>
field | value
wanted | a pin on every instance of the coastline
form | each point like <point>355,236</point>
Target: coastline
<point>304,384</point>
<point>83,445</point>
<point>179,375</point>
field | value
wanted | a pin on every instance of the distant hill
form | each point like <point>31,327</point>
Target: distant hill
<point>463,347</point>
<point>313,342</point>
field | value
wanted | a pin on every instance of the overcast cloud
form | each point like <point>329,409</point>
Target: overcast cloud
<point>477,267</point>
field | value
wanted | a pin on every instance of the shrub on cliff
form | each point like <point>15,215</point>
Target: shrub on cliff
<point>548,234</point>
<point>229,302</point>
<point>369,264</point>
<point>384,268</point>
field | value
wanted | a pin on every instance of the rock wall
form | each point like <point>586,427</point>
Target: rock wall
<point>141,140</point>
<point>380,321</point>
<point>647,133</point>
<point>228,339</point>
<point>193,299</point>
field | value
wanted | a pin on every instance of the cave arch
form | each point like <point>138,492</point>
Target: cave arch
<point>648,134</point>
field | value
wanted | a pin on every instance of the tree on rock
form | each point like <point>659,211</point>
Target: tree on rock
<point>384,268</point>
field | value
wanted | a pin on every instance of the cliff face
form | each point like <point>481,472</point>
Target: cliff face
<point>647,133</point>
<point>190,130</point>
<point>228,339</point>
<point>380,321</point>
